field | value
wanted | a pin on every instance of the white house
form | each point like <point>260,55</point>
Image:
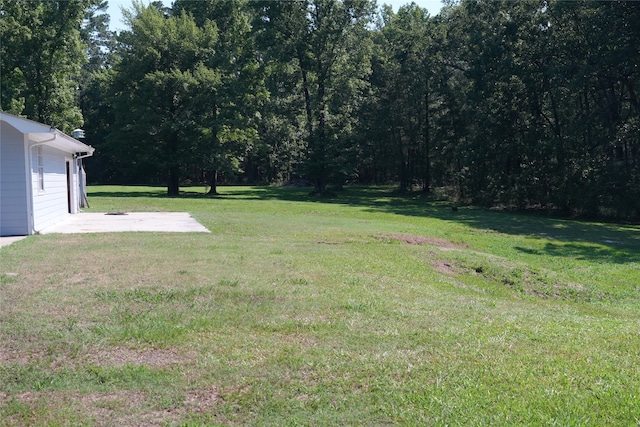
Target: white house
<point>41,175</point>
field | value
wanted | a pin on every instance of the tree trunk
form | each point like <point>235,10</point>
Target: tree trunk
<point>173,187</point>
<point>319,153</point>
<point>213,182</point>
<point>213,173</point>
<point>426,178</point>
<point>305,88</point>
<point>404,180</point>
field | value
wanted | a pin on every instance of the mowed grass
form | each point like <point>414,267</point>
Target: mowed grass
<point>365,309</point>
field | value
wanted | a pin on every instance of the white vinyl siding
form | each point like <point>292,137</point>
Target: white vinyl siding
<point>13,183</point>
<point>50,205</point>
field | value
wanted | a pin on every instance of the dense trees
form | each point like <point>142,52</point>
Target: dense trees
<point>403,70</point>
<point>41,55</point>
<point>551,88</point>
<point>524,104</point>
<point>182,92</point>
<point>326,43</point>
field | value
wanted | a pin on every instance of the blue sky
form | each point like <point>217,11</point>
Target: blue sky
<point>433,6</point>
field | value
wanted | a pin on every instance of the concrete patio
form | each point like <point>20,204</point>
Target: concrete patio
<point>170,222</point>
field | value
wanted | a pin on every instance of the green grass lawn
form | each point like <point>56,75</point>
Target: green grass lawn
<point>363,309</point>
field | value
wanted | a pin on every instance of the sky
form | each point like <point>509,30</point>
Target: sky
<point>433,6</point>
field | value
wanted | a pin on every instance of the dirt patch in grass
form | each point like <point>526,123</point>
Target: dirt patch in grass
<point>150,357</point>
<point>122,408</point>
<point>10,355</point>
<point>103,357</point>
<point>102,408</point>
<point>203,399</point>
<point>443,266</point>
<point>412,239</point>
<point>125,407</point>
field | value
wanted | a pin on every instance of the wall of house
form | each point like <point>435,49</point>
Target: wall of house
<point>14,219</point>
<point>50,204</point>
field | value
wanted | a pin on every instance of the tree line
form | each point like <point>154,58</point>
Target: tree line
<point>528,104</point>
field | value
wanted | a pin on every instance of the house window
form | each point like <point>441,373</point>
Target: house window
<point>40,168</point>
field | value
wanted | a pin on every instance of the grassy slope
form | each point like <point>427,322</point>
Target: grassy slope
<point>298,311</point>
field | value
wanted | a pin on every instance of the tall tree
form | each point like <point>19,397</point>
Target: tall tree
<point>41,56</point>
<point>232,104</point>
<point>161,86</point>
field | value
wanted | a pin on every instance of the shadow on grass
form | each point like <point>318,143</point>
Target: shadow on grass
<point>152,194</point>
<point>598,242</point>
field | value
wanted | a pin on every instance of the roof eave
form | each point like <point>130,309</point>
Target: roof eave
<point>46,135</point>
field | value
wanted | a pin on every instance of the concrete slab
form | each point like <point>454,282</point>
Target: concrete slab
<point>7,240</point>
<point>175,222</point>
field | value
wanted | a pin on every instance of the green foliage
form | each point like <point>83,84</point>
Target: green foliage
<point>202,82</point>
<point>42,53</point>
<point>403,77</point>
<point>164,59</point>
<point>327,44</point>
<point>540,127</point>
<point>522,105</point>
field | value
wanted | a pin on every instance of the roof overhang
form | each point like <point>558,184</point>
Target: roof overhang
<point>41,134</point>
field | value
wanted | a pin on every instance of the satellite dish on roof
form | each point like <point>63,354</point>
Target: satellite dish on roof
<point>78,133</point>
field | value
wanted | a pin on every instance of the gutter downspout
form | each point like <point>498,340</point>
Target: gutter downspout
<point>84,201</point>
<point>35,144</point>
<point>84,156</point>
<point>28,183</point>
